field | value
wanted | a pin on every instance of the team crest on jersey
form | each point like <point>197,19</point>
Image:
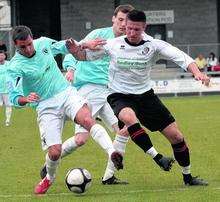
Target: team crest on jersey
<point>145,51</point>
<point>45,51</point>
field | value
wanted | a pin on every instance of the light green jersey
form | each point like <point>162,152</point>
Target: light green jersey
<point>40,73</point>
<point>3,74</point>
<point>96,71</point>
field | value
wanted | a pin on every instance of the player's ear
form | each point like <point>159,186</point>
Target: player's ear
<point>144,26</point>
<point>113,19</point>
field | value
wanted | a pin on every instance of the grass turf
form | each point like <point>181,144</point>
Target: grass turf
<point>21,158</point>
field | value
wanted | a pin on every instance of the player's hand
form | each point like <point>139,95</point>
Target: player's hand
<point>123,131</point>
<point>72,46</point>
<point>69,75</point>
<point>32,97</point>
<point>94,44</point>
<point>202,77</point>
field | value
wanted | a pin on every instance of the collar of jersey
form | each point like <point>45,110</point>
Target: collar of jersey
<point>132,44</point>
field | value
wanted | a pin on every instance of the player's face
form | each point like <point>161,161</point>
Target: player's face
<point>119,23</point>
<point>25,47</point>
<point>2,57</point>
<point>134,31</point>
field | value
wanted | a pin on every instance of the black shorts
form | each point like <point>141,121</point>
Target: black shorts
<point>150,111</point>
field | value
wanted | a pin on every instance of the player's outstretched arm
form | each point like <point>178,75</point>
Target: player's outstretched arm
<point>198,75</point>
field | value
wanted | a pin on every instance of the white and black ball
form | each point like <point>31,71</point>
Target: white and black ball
<point>78,180</point>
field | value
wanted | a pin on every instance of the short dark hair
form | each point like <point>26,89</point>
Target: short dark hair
<point>123,8</point>
<point>6,56</point>
<point>137,16</point>
<point>21,32</point>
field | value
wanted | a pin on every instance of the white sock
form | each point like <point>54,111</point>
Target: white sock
<point>51,168</point>
<point>186,170</point>
<point>68,147</point>
<point>152,152</point>
<point>100,135</point>
<point>119,144</point>
<point>8,111</point>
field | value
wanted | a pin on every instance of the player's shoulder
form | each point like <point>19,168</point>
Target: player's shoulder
<point>6,62</point>
<point>155,42</point>
<point>42,38</point>
<point>105,32</point>
<point>116,39</point>
<point>103,29</point>
<point>43,41</point>
<point>16,61</point>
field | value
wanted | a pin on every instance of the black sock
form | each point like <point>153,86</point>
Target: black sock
<point>157,158</point>
<point>181,153</point>
<point>140,137</point>
<point>187,177</point>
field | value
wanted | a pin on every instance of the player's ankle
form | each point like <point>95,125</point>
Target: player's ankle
<point>187,178</point>
<point>157,157</point>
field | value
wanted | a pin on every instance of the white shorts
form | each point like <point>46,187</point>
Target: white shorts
<point>52,113</point>
<point>4,100</point>
<point>96,95</point>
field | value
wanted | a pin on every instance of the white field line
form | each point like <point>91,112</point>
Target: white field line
<point>106,192</point>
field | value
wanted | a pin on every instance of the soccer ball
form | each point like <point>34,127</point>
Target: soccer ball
<point>78,180</point>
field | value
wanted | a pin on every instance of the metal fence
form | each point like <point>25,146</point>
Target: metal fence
<point>195,49</point>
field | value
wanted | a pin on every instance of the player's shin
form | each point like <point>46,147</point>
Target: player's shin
<point>51,167</point>
<point>68,147</point>
<point>119,144</point>
<point>100,135</point>
<point>141,138</point>
<point>181,153</point>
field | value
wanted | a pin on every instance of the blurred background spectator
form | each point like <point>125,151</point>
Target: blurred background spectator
<point>3,46</point>
<point>211,61</point>
<point>201,62</point>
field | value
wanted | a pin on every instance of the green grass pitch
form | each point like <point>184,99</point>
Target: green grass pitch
<point>21,158</point>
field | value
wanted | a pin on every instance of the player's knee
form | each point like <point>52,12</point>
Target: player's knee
<point>86,120</point>
<point>176,136</point>
<point>127,116</point>
<point>81,139</point>
<point>54,152</point>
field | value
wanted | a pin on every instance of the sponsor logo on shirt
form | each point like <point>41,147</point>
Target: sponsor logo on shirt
<point>122,47</point>
<point>126,63</point>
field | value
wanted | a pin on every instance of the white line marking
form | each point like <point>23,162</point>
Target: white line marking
<point>106,192</point>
